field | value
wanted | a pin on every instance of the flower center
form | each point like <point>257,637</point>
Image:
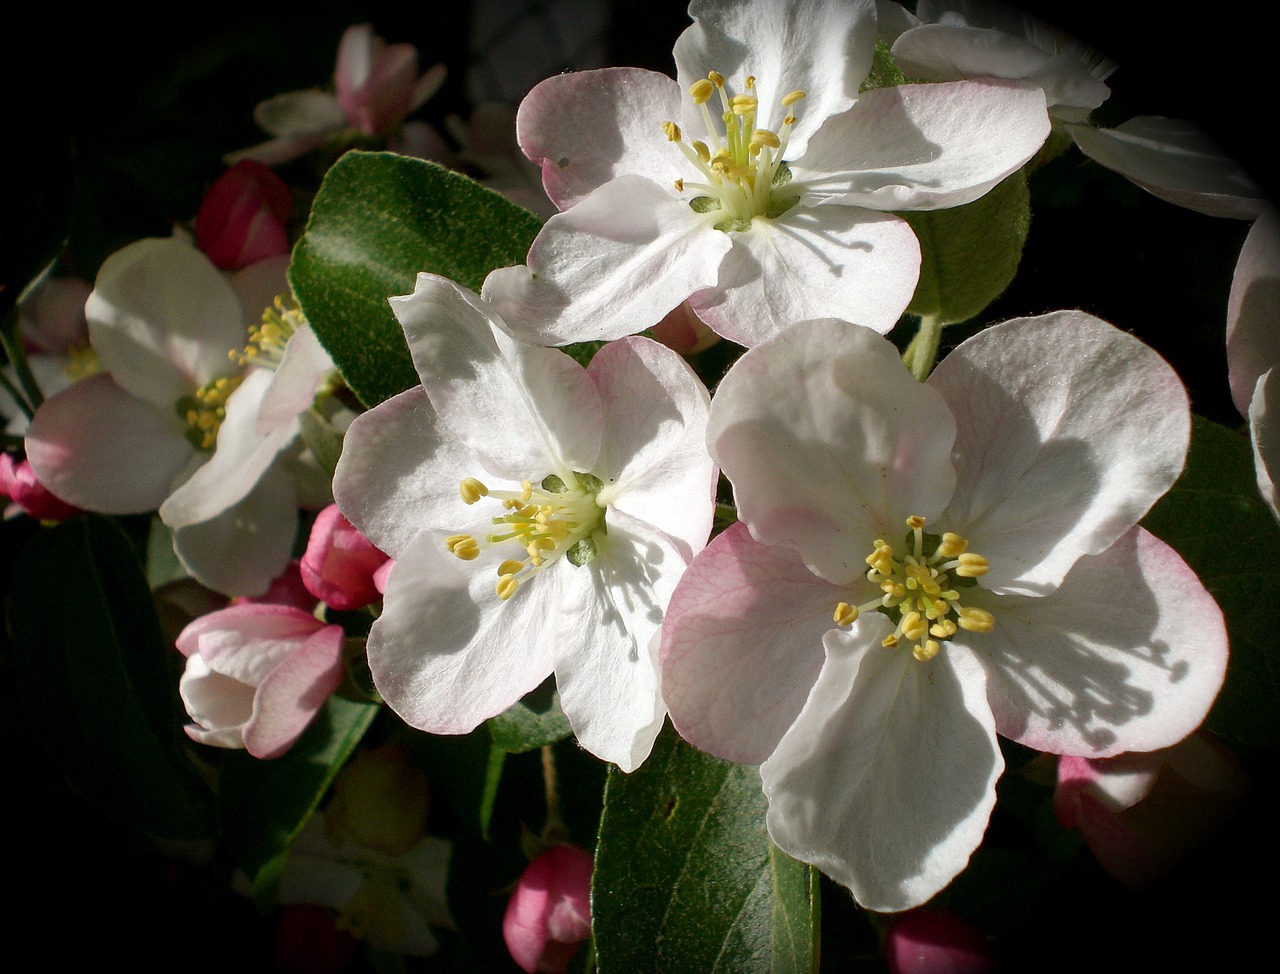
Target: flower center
<point>743,173</point>
<point>82,362</point>
<point>922,590</point>
<point>267,341</point>
<point>205,409</point>
<point>542,523</point>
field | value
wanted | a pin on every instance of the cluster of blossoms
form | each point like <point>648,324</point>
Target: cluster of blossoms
<point>908,572</point>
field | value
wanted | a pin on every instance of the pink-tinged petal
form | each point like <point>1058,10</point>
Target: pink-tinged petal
<point>527,410</point>
<point>830,443</point>
<point>1118,782</point>
<point>812,262</point>
<point>824,49</point>
<point>243,216</point>
<point>1069,430</point>
<point>239,459</point>
<point>1265,436</point>
<point>304,368</point>
<point>285,589</point>
<point>605,640</point>
<point>19,483</point>
<point>300,117</point>
<point>162,320</point>
<point>257,287</point>
<point>684,332</point>
<point>431,81</point>
<point>51,320</point>
<point>243,549</point>
<point>1253,309</point>
<point>653,458</point>
<point>584,128</point>
<point>933,942</point>
<point>742,644</point>
<point>446,653</point>
<point>399,473</point>
<point>339,564</point>
<point>1177,161</point>
<point>218,705</point>
<point>1127,654</point>
<point>292,693</point>
<point>550,909</point>
<point>613,265</point>
<point>100,448</point>
<point>950,52</point>
<point>887,778</point>
<point>358,51</point>
<point>923,147</point>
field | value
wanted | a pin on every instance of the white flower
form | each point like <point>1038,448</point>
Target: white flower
<point>1173,159</point>
<point>919,567</point>
<point>538,514</point>
<point>757,186</point>
<point>1253,347</point>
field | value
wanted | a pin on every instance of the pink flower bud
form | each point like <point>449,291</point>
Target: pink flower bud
<point>549,914</point>
<point>256,675</point>
<point>339,564</point>
<point>243,216</point>
<point>931,942</point>
<point>377,83</point>
<point>18,482</point>
<point>683,331</point>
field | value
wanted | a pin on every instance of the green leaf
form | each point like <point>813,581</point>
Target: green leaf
<point>1215,518</point>
<point>969,253</point>
<point>99,682</point>
<point>465,770</point>
<point>377,220</point>
<point>686,877</point>
<point>263,805</point>
<point>533,722</point>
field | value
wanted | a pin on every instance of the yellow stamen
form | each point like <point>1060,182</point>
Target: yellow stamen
<point>701,91</point>
<point>472,490</point>
<point>463,546</point>
<point>791,98</point>
<point>507,586</point>
<point>672,131</point>
<point>972,566</point>
<point>976,620</point>
<point>845,614</point>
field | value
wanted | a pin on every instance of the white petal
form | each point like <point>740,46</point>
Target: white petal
<point>654,459</point>
<point>300,115</point>
<point>1177,161</point>
<point>399,473</point>
<point>742,644</point>
<point>303,368</point>
<point>527,410</point>
<point>162,319</point>
<point>1126,655</point>
<point>830,443</point>
<point>821,48</point>
<point>1265,436</point>
<point>887,778</point>
<point>446,653</point>
<point>812,262</point>
<point>100,448</point>
<point>613,265</point>
<point>922,147</point>
<point>585,128</point>
<point>1253,309</point>
<point>1069,430</point>
<point>257,287</point>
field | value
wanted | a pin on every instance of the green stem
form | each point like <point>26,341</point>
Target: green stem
<point>815,919</point>
<point>554,830</point>
<point>922,352</point>
<point>30,398</point>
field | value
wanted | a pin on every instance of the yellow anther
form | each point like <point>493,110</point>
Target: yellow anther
<point>763,137</point>
<point>789,120</point>
<point>972,566</point>
<point>743,104</point>
<point>679,185</point>
<point>701,91</point>
<point>915,522</point>
<point>926,651</point>
<point>912,625</point>
<point>672,131</point>
<point>944,629</point>
<point>716,78</point>
<point>526,491</point>
<point>845,614</point>
<point>463,546</point>
<point>750,82</point>
<point>952,545</point>
<point>976,620</point>
<point>472,490</point>
<point>889,641</point>
<point>701,149</point>
<point>506,587</point>
<point>792,97</point>
<point>510,567</point>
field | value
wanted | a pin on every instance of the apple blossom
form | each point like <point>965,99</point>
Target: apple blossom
<point>339,564</point>
<point>762,197</point>
<point>1253,347</point>
<point>376,87</point>
<point>539,514</point>
<point>256,675</point>
<point>920,566</point>
<point>1173,159</point>
<point>243,216</point>
<point>55,343</point>
<point>549,913</point>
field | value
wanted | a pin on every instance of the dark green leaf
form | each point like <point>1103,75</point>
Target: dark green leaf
<point>99,683</point>
<point>377,220</point>
<point>1217,521</point>
<point>969,253</point>
<point>686,877</point>
<point>465,770</point>
<point>264,804</point>
<point>535,721</point>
